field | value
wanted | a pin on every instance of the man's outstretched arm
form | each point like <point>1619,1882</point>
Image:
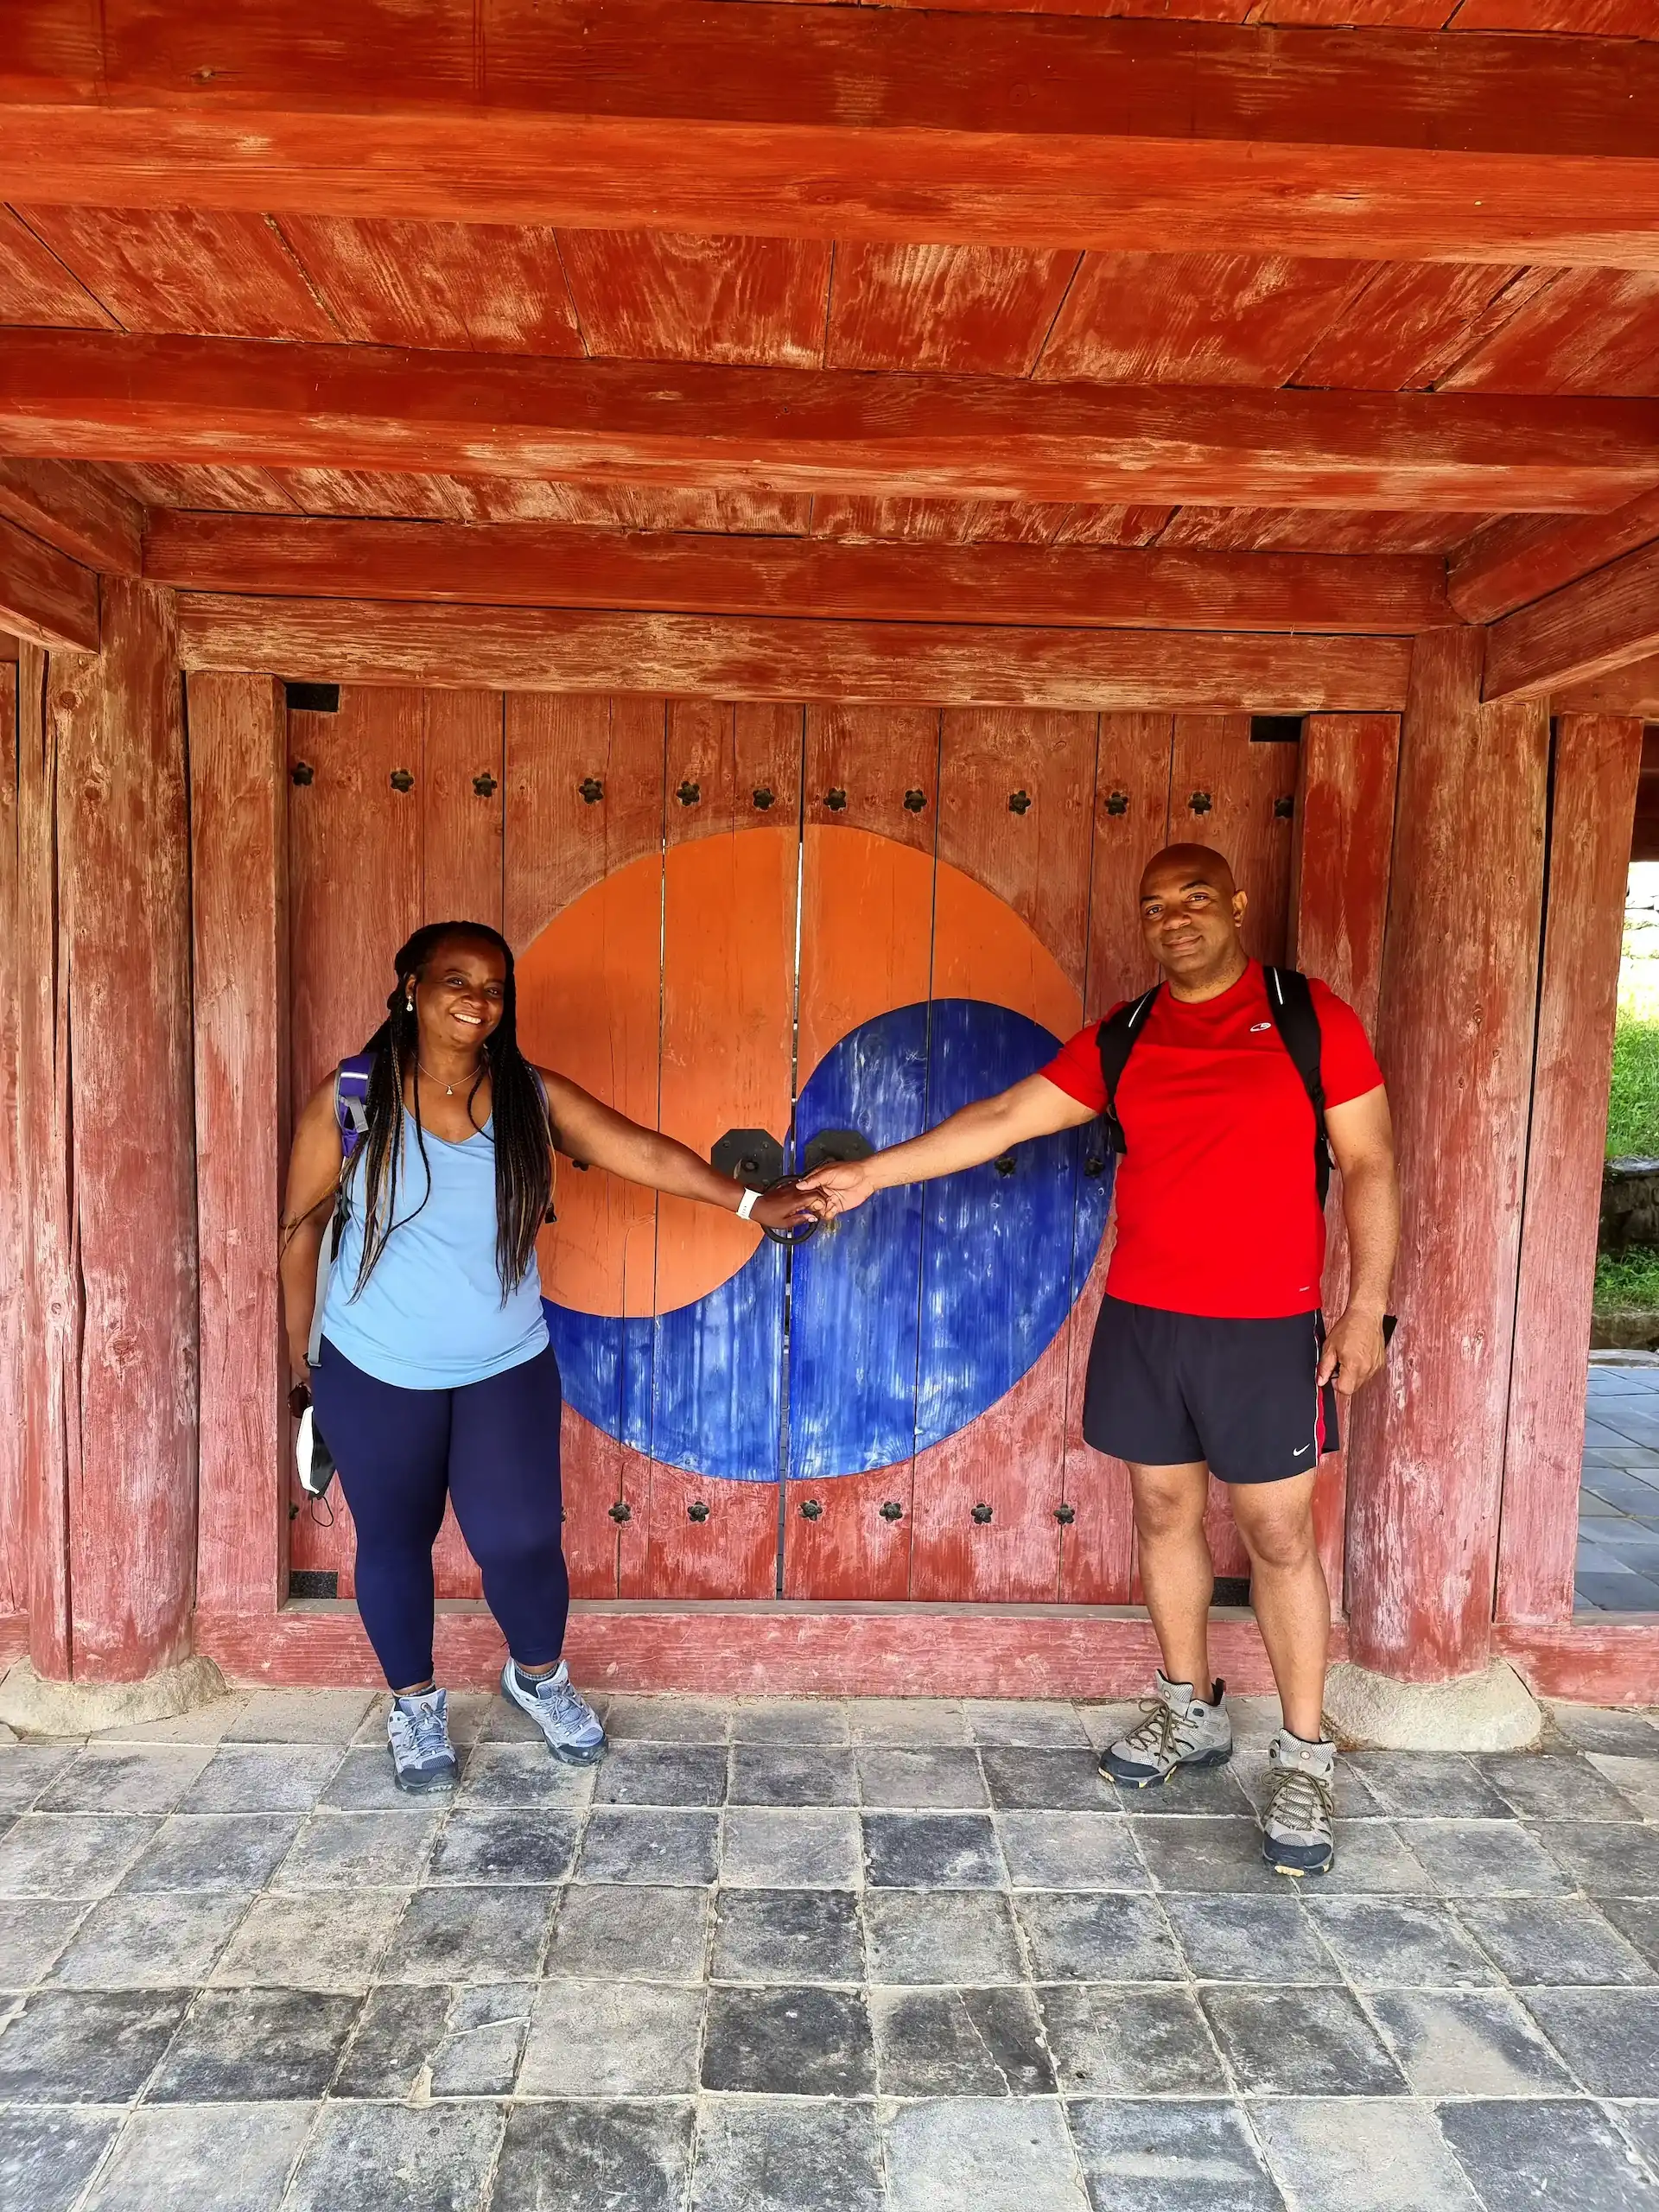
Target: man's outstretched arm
<point>985,1130</point>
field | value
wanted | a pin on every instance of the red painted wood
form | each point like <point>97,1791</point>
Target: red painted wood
<point>45,595</point>
<point>650,295</point>
<point>1597,763</point>
<point>1632,690</point>
<point>104,396</point>
<point>970,309</point>
<point>36,287</point>
<point>868,122</point>
<point>847,972</point>
<point>1460,985</point>
<point>14,1227</point>
<point>885,663</point>
<point>1587,1662</point>
<point>1521,557</point>
<point>556,846</point>
<point>239,837</point>
<point>13,1637</point>
<point>1589,330</point>
<point>525,564</point>
<point>1037,862</point>
<point>465,287</point>
<point>1581,632</point>
<point>1413,320</point>
<point>1340,903</point>
<point>228,276</point>
<point>1132,795</point>
<point>119,1289</point>
<point>1316,529</point>
<point>75,508</point>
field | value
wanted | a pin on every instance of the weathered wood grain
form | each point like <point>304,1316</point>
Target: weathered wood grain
<point>14,1227</point>
<point>238,836</point>
<point>193,270</point>
<point>1460,984</point>
<point>1593,1661</point>
<point>107,396</point>
<point>970,310</point>
<point>74,509</point>
<point>45,596</point>
<point>878,663</point>
<point>1518,559</point>
<point>36,287</point>
<point>1632,690</point>
<point>529,564</point>
<point>477,287</point>
<point>1582,631</point>
<point>648,295</point>
<point>1597,762</point>
<point>870,123</point>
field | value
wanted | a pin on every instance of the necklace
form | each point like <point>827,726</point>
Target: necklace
<point>448,1088</point>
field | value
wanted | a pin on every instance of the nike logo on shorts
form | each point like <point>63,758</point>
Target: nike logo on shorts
<point>1300,1448</point>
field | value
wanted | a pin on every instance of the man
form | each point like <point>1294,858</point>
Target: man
<point>1211,1355</point>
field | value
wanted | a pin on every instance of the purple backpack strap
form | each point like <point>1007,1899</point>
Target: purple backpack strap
<point>352,1102</point>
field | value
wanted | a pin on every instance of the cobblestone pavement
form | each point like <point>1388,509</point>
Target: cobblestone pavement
<point>813,1956</point>
<point>1618,1501</point>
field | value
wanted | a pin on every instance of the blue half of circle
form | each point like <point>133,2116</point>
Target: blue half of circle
<point>908,1319</point>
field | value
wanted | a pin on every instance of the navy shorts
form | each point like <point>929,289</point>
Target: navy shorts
<point>1167,1389</point>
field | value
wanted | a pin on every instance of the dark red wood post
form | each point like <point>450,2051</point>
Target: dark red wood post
<point>107,1142</point>
<point>1455,1030</point>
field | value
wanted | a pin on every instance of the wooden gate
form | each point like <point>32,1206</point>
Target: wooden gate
<point>792,921</point>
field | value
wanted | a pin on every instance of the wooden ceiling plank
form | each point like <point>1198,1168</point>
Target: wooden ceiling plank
<point>36,287</point>
<point>965,309</point>
<point>186,269</point>
<point>1315,530</point>
<point>45,596</point>
<point>529,565</point>
<point>1579,633</point>
<point>1409,326</point>
<point>645,296</point>
<point>73,509</point>
<point>1518,559</point>
<point>1586,330</point>
<point>1035,129</point>
<point>103,397</point>
<point>758,658</point>
<point>476,288</point>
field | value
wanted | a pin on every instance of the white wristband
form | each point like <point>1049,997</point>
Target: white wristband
<point>746,1204</point>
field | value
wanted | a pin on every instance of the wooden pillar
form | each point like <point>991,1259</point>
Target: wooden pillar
<point>14,1549</point>
<point>1598,758</point>
<point>238,834</point>
<point>1460,990</point>
<point>106,1148</point>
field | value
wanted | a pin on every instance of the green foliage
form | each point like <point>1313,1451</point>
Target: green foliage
<point>1628,1279</point>
<point>1633,1105</point>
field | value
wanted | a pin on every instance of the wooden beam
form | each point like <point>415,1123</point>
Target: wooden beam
<point>106,396</point>
<point>1632,690</point>
<point>882,664</point>
<point>44,595</point>
<point>1523,557</point>
<point>1600,1660</point>
<point>535,564</point>
<point>999,128</point>
<point>70,508</point>
<point>1586,630</point>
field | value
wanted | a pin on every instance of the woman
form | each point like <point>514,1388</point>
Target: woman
<point>435,1375</point>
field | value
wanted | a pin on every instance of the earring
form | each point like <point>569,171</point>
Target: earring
<point>408,1006</point>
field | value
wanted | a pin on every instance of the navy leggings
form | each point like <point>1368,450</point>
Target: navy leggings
<point>493,1447</point>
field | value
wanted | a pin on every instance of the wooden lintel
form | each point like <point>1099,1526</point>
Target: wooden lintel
<point>728,656</point>
<point>536,564</point>
<point>1631,691</point>
<point>45,596</point>
<point>1583,632</point>
<point>104,395</point>
<point>70,508</point>
<point>1521,557</point>
<point>989,127</point>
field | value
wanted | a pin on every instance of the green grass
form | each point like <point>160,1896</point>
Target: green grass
<point>1629,1279</point>
<point>1633,1106</point>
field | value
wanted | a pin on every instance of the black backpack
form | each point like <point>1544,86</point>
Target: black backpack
<point>1291,1004</point>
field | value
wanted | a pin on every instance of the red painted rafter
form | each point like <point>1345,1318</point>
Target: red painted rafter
<point>115,397</point>
<point>530,564</point>
<point>1518,560</point>
<point>1583,632</point>
<point>1027,129</point>
<point>44,596</point>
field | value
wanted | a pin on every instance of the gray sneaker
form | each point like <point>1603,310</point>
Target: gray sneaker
<point>559,1710</point>
<point>1300,1807</point>
<point>1178,1729</point>
<point>418,1736</point>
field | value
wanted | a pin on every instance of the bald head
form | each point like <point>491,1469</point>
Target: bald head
<point>1191,912</point>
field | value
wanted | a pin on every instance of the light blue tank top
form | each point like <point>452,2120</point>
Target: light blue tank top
<point>430,1316</point>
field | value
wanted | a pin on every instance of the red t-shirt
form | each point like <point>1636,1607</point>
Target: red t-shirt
<point>1217,1212</point>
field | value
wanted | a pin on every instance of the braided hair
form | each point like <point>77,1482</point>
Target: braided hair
<point>522,1129</point>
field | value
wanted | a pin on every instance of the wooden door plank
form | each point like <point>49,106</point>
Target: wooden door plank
<point>1339,904</point>
<point>354,895</point>
<point>1015,815</point>
<point>1597,763</point>
<point>583,789</point>
<point>728,990</point>
<point>238,834</point>
<point>1131,795</point>
<point>871,811</point>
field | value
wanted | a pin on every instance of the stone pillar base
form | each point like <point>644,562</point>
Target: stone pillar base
<point>34,1706</point>
<point>1491,1711</point>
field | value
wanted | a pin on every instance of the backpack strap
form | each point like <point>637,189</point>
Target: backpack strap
<point>1117,1038</point>
<point>1290,1003</point>
<point>351,1120</point>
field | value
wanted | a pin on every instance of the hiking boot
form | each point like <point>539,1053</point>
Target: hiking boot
<point>559,1710</point>
<point>418,1736</point>
<point>1301,1806</point>
<point>1178,1729</point>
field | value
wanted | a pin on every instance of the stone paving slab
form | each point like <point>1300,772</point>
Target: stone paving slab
<point>780,1957</point>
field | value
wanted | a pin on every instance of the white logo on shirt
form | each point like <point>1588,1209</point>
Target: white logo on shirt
<point>1257,1026</point>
